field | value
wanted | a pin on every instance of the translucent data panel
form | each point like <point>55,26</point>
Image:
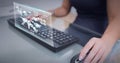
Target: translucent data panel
<point>33,21</point>
<point>55,32</point>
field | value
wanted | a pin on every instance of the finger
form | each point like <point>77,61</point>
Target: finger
<point>92,53</point>
<point>98,56</point>
<point>87,47</point>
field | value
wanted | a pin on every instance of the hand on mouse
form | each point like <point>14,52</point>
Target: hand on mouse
<point>100,50</point>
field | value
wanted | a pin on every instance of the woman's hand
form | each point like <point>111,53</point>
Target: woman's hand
<point>59,12</point>
<point>100,50</point>
<point>63,10</point>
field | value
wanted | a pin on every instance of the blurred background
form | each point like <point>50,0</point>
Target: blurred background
<point>6,6</point>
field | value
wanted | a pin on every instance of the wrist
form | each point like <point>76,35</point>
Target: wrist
<point>109,38</point>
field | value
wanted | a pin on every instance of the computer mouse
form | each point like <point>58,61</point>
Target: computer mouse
<point>75,59</point>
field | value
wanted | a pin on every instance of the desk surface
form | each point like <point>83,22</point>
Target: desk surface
<point>15,47</point>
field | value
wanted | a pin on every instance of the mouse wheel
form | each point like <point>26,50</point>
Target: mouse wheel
<point>75,59</point>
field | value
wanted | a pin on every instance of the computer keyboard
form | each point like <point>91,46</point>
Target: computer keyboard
<point>60,39</point>
<point>55,35</point>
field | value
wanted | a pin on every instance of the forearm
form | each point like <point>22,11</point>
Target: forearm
<point>112,32</point>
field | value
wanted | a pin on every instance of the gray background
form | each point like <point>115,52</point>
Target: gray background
<point>7,5</point>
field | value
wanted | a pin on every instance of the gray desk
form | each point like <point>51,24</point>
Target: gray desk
<point>15,47</point>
